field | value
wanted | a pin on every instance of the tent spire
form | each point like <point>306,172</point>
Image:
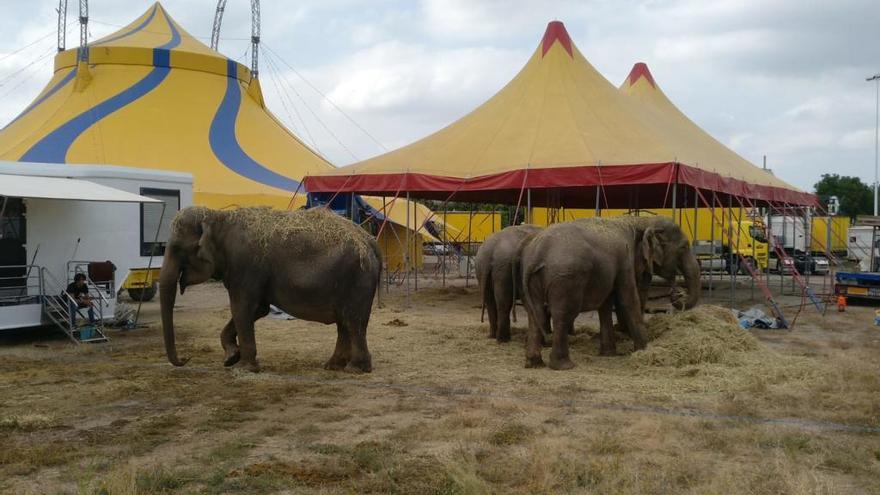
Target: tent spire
<point>555,32</point>
<point>640,70</point>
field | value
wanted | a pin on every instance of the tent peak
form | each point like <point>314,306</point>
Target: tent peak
<point>639,70</point>
<point>555,31</point>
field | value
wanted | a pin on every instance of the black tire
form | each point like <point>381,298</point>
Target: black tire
<point>143,295</point>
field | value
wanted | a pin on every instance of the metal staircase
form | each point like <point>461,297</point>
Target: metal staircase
<point>56,309</point>
<point>788,264</point>
<point>756,274</point>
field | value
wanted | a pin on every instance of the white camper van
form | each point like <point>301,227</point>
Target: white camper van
<point>858,247</point>
<point>59,220</point>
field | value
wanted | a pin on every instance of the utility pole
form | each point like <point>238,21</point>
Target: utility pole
<point>876,79</point>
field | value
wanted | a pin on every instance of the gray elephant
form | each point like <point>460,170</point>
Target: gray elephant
<point>599,264</point>
<point>497,264</point>
<point>312,264</point>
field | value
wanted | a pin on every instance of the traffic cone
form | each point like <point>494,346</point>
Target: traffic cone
<point>841,303</point>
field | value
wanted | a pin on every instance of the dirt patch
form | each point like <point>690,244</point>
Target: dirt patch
<point>396,322</point>
<point>446,409</point>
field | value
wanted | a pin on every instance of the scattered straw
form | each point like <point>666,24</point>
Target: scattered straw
<point>396,322</point>
<point>705,334</point>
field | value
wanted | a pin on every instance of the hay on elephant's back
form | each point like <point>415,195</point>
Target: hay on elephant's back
<point>705,334</point>
<point>319,225</point>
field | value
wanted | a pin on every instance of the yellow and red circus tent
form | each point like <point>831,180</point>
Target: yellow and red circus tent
<point>709,155</point>
<point>152,96</point>
<point>562,132</point>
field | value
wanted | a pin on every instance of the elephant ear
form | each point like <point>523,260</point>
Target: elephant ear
<point>652,248</point>
<point>206,246</point>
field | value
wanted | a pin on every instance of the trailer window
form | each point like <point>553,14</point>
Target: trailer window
<point>153,219</point>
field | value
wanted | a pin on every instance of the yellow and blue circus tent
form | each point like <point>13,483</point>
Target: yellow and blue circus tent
<point>153,96</point>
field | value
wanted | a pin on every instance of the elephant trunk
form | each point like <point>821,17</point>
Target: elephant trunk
<point>690,268</point>
<point>167,295</point>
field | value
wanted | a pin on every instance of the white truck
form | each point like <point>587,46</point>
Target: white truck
<point>858,246</point>
<point>57,220</point>
<point>794,238</point>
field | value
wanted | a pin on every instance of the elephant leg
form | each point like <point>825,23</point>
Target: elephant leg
<point>629,310</point>
<point>230,344</point>
<point>546,339</point>
<point>360,361</point>
<point>607,345</point>
<point>244,313</point>
<point>492,310</point>
<point>503,305</point>
<point>342,354</point>
<point>562,327</point>
<point>538,323</point>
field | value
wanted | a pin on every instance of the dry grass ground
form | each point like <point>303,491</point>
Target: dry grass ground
<point>446,410</point>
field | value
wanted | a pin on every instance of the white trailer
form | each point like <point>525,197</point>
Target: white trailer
<point>58,220</point>
<point>858,245</point>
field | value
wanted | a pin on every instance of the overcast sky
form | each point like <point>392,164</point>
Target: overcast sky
<point>781,78</point>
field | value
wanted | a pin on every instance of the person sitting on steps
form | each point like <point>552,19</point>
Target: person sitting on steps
<point>79,298</point>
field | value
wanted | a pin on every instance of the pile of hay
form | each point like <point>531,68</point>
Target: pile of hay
<point>265,226</point>
<point>705,334</point>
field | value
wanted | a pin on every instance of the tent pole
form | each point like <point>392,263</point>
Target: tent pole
<point>808,242</point>
<point>598,211</point>
<point>385,241</point>
<point>444,242</point>
<point>712,245</point>
<point>730,246</point>
<point>529,205</point>
<point>674,198</point>
<point>406,252</point>
<point>696,208</point>
<point>416,247</point>
<point>738,237</point>
<point>467,262</point>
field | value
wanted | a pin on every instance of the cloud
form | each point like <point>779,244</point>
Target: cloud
<point>773,77</point>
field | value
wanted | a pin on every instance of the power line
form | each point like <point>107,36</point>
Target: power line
<point>281,95</point>
<point>330,132</point>
<point>331,102</point>
<point>25,47</point>
<point>9,77</point>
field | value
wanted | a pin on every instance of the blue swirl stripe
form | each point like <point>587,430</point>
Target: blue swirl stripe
<point>54,147</point>
<point>225,144</point>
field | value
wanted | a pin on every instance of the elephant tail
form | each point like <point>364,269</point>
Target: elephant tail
<point>514,272</point>
<point>534,308</point>
<point>379,259</point>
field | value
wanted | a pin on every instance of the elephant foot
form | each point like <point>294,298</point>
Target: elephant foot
<point>640,345</point>
<point>231,358</point>
<point>252,367</point>
<point>359,367</point>
<point>607,351</point>
<point>503,340</point>
<point>561,363</point>
<point>534,362</point>
<point>335,364</point>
